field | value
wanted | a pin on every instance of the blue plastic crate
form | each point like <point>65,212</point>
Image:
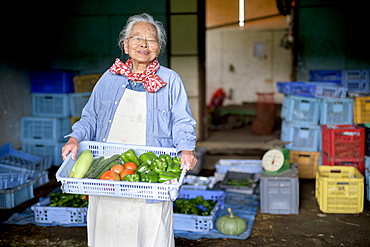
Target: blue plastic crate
<point>78,102</point>
<point>11,176</point>
<point>43,128</point>
<point>302,137</point>
<point>45,149</point>
<point>60,215</point>
<point>301,109</point>
<point>313,89</point>
<point>336,111</point>
<point>357,81</point>
<point>356,75</point>
<point>10,156</point>
<point>367,184</point>
<point>367,177</point>
<point>326,75</point>
<point>52,81</point>
<point>357,86</point>
<point>40,178</point>
<point>50,105</point>
<point>196,223</point>
<point>12,197</point>
<point>367,163</point>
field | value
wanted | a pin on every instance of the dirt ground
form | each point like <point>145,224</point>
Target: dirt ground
<point>308,228</point>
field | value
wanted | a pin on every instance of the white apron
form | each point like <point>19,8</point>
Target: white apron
<point>116,221</point>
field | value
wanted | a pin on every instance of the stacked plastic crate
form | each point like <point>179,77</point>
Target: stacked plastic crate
<point>42,134</point>
<point>300,127</point>
<point>359,83</point>
<point>307,106</point>
<point>339,182</point>
<point>367,174</point>
<point>74,104</point>
<point>18,176</point>
<point>344,144</point>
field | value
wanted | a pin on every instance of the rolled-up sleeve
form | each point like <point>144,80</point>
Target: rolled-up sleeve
<point>184,125</point>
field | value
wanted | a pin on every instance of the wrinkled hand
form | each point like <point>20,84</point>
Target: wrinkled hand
<point>188,158</point>
<point>71,146</point>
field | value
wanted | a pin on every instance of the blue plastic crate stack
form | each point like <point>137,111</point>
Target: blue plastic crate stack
<point>367,177</point>
<point>42,134</point>
<point>367,160</point>
<point>326,99</point>
<point>58,97</point>
<point>20,173</point>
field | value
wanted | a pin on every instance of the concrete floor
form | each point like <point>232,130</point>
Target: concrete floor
<point>310,227</point>
<point>238,143</point>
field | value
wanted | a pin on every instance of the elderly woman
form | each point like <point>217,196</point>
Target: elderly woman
<point>142,103</point>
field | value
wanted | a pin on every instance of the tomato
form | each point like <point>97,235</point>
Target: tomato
<point>117,168</point>
<point>110,175</point>
<point>125,172</point>
<point>130,165</point>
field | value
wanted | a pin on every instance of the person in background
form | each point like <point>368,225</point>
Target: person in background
<point>137,102</point>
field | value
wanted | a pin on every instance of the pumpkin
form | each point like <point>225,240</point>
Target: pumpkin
<point>231,224</point>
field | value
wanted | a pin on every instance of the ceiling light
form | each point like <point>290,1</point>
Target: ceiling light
<point>241,13</point>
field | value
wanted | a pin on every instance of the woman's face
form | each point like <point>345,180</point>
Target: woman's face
<point>142,45</point>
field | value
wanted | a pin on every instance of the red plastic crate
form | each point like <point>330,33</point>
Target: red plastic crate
<point>343,141</point>
<point>359,163</point>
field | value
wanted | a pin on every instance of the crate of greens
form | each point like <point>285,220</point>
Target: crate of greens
<point>61,208</point>
<point>239,182</point>
<point>197,210</point>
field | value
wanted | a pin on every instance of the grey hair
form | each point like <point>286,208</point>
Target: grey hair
<point>125,33</point>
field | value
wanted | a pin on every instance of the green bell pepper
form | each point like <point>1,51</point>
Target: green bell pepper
<point>150,177</point>
<point>159,166</point>
<point>130,156</point>
<point>176,160</point>
<point>174,168</point>
<point>152,155</point>
<point>166,176</point>
<point>132,177</point>
<point>143,168</point>
<point>162,158</point>
<point>145,158</point>
<point>166,157</point>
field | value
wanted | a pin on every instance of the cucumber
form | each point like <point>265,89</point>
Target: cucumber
<point>94,165</point>
<point>102,164</point>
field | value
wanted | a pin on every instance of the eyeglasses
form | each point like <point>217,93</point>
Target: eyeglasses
<point>139,41</point>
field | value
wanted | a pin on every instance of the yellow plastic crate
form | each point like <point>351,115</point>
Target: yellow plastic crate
<point>85,83</point>
<point>307,163</point>
<point>339,189</point>
<point>361,110</point>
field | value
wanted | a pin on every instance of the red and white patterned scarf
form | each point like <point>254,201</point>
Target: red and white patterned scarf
<point>151,82</point>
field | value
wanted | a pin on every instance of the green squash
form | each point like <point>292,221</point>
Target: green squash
<point>231,224</point>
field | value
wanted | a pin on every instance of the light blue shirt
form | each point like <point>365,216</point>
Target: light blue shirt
<point>169,119</point>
